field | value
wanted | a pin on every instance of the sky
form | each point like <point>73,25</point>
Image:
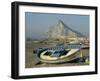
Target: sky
<point>38,24</point>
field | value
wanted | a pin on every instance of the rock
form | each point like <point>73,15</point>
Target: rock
<point>61,30</point>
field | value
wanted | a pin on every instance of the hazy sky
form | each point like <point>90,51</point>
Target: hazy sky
<point>37,24</point>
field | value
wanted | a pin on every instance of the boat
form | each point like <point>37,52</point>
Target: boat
<point>51,56</point>
<point>60,54</point>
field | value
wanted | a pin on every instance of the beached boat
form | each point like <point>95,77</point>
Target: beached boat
<point>55,56</point>
<point>60,54</point>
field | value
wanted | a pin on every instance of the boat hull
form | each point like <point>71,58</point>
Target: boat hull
<point>64,59</point>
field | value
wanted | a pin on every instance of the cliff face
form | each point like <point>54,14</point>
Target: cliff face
<point>62,30</point>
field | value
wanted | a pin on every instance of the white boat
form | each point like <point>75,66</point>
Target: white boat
<point>49,56</point>
<point>60,54</point>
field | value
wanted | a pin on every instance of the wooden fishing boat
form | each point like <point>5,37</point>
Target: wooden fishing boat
<point>60,54</point>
